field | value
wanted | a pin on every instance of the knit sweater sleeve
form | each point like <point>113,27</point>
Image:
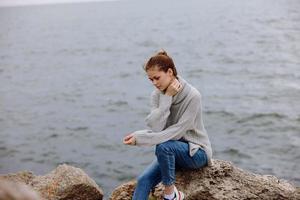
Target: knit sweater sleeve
<point>173,132</point>
<point>160,110</point>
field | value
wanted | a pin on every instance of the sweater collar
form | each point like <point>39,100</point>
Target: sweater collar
<point>186,88</point>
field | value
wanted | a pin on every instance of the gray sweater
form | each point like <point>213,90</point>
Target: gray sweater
<point>174,118</point>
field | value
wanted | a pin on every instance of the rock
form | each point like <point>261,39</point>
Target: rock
<point>297,194</point>
<point>63,183</point>
<point>67,182</point>
<point>124,191</point>
<point>23,177</point>
<point>222,180</point>
<point>10,190</point>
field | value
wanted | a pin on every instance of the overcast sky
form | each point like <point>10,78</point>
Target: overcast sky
<point>33,2</point>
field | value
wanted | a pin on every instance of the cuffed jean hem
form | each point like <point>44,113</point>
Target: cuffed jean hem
<point>168,183</point>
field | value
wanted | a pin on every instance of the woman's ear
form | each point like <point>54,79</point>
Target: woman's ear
<point>170,72</point>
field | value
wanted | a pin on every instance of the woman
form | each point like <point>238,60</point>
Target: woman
<point>176,128</point>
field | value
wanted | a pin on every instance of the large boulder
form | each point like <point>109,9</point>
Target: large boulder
<point>222,180</point>
<point>63,183</point>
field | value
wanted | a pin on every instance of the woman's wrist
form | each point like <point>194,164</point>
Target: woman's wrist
<point>133,140</point>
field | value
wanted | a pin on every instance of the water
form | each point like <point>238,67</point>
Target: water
<point>72,84</point>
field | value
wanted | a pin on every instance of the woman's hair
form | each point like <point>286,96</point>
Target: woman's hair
<point>162,61</point>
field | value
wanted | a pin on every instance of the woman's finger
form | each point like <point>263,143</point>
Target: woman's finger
<point>131,141</point>
<point>126,141</point>
<point>179,85</point>
<point>175,85</point>
<point>127,137</point>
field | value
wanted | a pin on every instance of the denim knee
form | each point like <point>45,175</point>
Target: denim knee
<point>163,147</point>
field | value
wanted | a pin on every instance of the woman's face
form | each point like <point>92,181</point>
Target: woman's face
<point>160,79</point>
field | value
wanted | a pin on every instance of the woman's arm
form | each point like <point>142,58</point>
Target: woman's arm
<point>160,111</point>
<point>175,131</point>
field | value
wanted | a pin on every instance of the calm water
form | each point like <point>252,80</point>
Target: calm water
<point>72,83</point>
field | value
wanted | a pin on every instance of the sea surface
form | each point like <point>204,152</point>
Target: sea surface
<point>72,83</point>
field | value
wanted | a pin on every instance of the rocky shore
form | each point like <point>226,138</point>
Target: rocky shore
<point>222,180</point>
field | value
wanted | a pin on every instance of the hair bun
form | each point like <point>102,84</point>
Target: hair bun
<point>162,52</point>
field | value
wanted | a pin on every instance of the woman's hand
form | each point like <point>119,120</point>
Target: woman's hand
<point>129,140</point>
<point>173,88</point>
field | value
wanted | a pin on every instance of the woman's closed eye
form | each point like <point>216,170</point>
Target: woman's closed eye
<point>156,78</point>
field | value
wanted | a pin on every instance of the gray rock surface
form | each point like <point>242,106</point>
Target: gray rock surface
<point>220,181</point>
<point>63,183</point>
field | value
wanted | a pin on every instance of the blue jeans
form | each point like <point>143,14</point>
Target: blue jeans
<point>169,155</point>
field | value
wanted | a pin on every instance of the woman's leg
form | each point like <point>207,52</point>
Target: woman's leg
<point>176,153</point>
<point>147,180</point>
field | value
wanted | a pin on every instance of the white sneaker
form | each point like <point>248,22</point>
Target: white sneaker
<point>178,194</point>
